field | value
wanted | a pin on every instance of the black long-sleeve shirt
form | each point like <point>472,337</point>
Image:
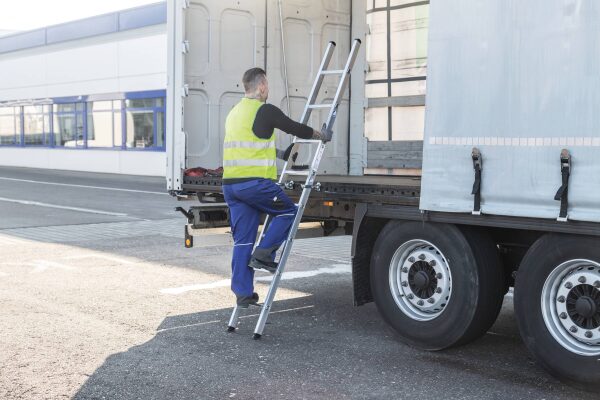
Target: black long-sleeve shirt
<point>270,117</point>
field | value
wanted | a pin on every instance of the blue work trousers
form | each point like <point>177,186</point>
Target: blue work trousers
<point>247,201</point>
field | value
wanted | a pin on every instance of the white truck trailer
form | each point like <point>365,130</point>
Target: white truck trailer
<point>501,190</point>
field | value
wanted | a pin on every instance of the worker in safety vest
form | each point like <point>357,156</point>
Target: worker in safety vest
<point>249,176</point>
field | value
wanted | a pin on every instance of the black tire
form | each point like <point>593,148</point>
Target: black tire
<point>543,257</point>
<point>477,284</point>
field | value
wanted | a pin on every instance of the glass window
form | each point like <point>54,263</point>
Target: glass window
<point>36,124</point>
<point>118,128</point>
<point>104,124</point>
<point>140,129</point>
<point>145,103</point>
<point>145,123</point>
<point>10,126</point>
<point>68,125</point>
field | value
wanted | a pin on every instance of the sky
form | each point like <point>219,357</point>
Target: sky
<point>20,15</point>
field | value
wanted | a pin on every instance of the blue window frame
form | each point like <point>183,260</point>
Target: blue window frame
<point>126,121</point>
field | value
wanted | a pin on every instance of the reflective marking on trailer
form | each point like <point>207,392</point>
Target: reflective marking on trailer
<point>84,186</point>
<point>335,269</point>
<point>78,209</point>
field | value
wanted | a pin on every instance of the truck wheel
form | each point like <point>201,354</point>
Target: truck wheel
<point>437,285</point>
<point>557,305</point>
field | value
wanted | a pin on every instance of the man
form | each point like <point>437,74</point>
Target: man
<point>249,175</point>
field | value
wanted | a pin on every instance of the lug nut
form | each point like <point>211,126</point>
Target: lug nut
<point>589,334</point>
<point>573,329</point>
<point>438,276</point>
<point>421,257</point>
<point>597,284</point>
<point>430,300</point>
<point>563,315</point>
<point>411,259</point>
<point>561,299</point>
<point>404,283</point>
<point>581,279</point>
<point>568,285</point>
<point>420,302</point>
<point>410,296</point>
<point>438,290</point>
<point>432,263</point>
<point>405,270</point>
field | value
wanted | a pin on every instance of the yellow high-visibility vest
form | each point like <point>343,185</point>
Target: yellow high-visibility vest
<point>245,155</point>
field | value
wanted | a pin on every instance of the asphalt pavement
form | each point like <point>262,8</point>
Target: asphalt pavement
<point>100,300</point>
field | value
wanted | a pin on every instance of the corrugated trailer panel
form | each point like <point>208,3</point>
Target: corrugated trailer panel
<point>224,38</point>
<point>520,81</point>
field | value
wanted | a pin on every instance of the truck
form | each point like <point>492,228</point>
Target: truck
<point>465,159</point>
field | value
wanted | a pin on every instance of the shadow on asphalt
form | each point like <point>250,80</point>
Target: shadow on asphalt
<point>316,347</point>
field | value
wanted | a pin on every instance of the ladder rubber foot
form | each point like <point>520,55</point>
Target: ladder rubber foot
<point>230,329</point>
<point>256,336</point>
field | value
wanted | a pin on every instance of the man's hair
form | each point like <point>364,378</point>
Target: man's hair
<point>252,78</point>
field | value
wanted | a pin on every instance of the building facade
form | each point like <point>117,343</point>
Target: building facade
<point>87,95</point>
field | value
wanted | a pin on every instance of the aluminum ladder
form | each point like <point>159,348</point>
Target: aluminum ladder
<point>310,173</point>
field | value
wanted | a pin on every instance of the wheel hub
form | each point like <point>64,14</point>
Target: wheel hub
<point>585,307</point>
<point>420,280</point>
<point>571,306</point>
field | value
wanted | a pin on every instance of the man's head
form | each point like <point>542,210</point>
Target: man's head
<point>255,84</point>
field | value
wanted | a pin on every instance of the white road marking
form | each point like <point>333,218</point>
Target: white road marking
<point>86,210</point>
<point>118,260</point>
<point>243,316</point>
<point>44,265</point>
<point>279,311</point>
<point>84,186</point>
<point>188,326</point>
<point>336,269</point>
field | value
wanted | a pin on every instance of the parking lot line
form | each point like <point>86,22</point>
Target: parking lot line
<point>83,186</point>
<point>335,269</point>
<point>85,210</point>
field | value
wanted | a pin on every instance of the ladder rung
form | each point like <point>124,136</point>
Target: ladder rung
<point>332,72</point>
<point>320,105</point>
<point>307,141</point>
<point>304,172</point>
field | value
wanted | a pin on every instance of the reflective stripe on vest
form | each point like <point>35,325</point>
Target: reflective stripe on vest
<point>247,145</point>
<point>249,163</point>
<point>245,155</point>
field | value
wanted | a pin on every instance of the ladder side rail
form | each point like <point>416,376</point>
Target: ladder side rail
<point>314,92</point>
<point>344,80</point>
<point>318,82</point>
<point>287,246</point>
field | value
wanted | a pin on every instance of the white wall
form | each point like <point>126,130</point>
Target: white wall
<point>127,61</point>
<point>149,163</point>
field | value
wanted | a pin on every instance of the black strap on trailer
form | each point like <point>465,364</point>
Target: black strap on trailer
<point>477,166</point>
<point>562,194</point>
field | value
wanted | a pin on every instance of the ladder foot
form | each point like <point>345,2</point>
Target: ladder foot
<point>256,336</point>
<point>230,329</point>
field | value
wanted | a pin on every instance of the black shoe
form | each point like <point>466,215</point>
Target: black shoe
<point>245,301</point>
<point>259,265</point>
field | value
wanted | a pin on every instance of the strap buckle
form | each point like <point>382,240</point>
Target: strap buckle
<point>476,192</point>
<point>562,194</point>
